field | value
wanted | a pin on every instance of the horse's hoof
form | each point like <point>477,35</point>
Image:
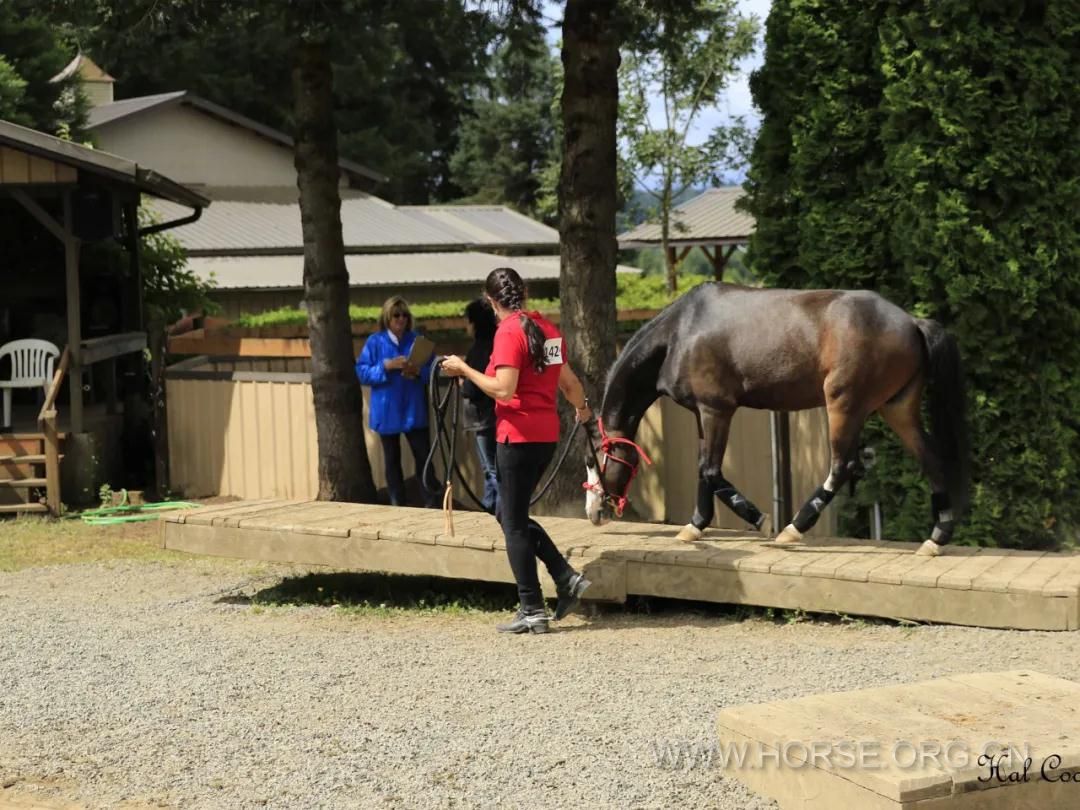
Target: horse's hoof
<point>689,533</point>
<point>929,549</point>
<point>765,526</point>
<point>788,536</point>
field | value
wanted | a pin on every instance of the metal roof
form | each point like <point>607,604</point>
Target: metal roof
<point>708,219</point>
<point>397,269</point>
<point>107,113</point>
<point>270,222</point>
<point>103,164</point>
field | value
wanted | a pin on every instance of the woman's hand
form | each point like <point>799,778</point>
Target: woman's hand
<point>409,371</point>
<point>454,366</point>
<point>583,414</point>
<point>395,363</point>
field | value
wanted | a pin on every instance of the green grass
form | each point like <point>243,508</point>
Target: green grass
<point>29,542</point>
<point>633,292</point>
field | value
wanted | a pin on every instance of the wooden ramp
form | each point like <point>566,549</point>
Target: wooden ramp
<point>978,587</point>
<point>988,741</point>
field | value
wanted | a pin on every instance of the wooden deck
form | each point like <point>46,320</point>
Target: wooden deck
<point>977,587</point>
<point>913,746</point>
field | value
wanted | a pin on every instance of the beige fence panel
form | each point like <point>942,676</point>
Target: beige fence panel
<point>250,433</point>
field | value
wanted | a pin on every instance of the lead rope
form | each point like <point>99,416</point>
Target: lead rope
<point>441,405</point>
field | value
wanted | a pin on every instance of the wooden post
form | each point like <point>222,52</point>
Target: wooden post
<point>74,315</point>
<point>52,463</point>
<point>719,258</point>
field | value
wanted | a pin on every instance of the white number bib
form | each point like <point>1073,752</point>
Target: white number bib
<point>553,352</point>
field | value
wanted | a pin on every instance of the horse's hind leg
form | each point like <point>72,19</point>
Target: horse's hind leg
<point>715,425</point>
<point>902,414</point>
<point>844,428</point>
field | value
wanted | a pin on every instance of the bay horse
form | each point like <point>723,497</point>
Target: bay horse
<point>721,347</point>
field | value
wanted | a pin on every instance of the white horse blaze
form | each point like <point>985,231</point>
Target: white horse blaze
<point>593,500</point>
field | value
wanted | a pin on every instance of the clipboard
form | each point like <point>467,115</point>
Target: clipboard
<point>421,351</point>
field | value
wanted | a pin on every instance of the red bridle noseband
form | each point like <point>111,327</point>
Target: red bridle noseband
<point>617,502</point>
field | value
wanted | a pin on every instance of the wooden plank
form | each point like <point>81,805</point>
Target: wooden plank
<point>1035,578</point>
<point>15,168</point>
<point>1009,568</point>
<point>892,572</point>
<point>961,578</point>
<point>1067,581</point>
<point>41,170</point>
<point>763,560</point>
<point>860,569</point>
<point>207,514</point>
<point>927,575</point>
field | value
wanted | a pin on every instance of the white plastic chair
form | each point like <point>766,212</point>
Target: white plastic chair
<point>31,367</point>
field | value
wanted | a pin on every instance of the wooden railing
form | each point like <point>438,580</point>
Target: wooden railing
<point>47,424</point>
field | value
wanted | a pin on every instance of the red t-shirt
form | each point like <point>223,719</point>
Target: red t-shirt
<point>530,416</point>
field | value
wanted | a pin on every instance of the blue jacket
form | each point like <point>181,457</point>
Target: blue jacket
<point>398,404</point>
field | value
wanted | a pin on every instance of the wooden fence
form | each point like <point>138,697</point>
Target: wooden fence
<point>246,427</point>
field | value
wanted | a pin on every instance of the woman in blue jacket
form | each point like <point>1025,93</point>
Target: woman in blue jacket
<point>398,397</point>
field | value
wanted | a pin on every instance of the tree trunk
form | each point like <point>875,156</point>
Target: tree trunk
<point>587,206</point>
<point>344,469</point>
<point>668,252</point>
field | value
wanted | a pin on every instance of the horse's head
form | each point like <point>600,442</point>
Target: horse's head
<point>611,463</point>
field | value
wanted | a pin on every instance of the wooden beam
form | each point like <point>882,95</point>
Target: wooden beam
<point>39,213</point>
<point>74,314</point>
<point>104,348</point>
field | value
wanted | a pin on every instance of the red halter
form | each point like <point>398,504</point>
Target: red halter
<point>617,502</point>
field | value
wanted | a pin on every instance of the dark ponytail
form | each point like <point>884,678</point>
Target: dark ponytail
<point>505,287</point>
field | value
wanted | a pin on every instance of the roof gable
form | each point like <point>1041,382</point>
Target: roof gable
<point>133,107</point>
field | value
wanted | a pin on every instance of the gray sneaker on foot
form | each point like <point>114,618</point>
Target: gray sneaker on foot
<point>526,621</point>
<point>570,594</point>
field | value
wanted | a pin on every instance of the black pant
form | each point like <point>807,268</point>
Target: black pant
<point>520,467</point>
<point>420,444</point>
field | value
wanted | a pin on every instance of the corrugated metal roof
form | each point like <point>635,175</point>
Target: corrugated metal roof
<point>396,269</point>
<point>709,218</point>
<point>487,224</point>
<point>272,223</point>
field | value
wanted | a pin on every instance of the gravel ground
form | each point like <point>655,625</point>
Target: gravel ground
<point>145,685</point>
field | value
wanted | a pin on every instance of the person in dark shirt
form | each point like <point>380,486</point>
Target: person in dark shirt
<point>479,407</point>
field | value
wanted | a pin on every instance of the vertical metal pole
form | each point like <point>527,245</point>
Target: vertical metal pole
<point>875,524</point>
<point>780,435</point>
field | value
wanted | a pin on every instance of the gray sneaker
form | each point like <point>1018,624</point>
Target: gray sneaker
<point>570,594</point>
<point>526,621</point>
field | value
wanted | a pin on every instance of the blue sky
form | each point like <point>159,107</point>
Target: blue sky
<point>738,100</point>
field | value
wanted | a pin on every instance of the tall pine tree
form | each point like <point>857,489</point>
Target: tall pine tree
<point>928,151</point>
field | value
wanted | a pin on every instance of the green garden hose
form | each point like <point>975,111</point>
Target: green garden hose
<point>129,513</point>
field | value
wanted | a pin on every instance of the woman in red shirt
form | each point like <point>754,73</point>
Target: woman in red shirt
<point>528,363</point>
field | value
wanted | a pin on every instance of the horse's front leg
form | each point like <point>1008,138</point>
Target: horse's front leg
<point>714,426</point>
<point>844,428</point>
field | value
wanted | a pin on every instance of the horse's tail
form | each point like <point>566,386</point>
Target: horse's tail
<point>948,409</point>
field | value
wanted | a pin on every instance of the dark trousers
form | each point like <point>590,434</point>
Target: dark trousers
<point>420,444</point>
<point>485,452</point>
<point>520,468</point>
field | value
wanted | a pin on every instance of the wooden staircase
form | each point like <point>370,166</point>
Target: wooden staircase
<point>23,468</point>
<point>30,462</point>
